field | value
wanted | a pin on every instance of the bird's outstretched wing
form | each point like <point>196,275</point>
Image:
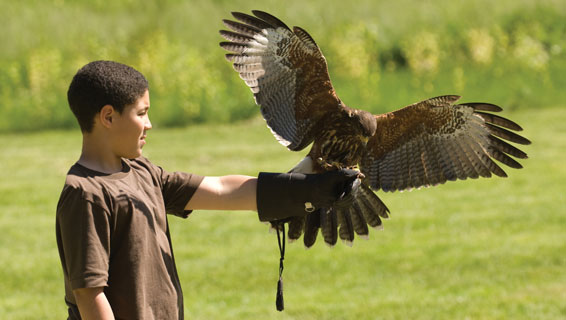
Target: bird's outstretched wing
<point>287,73</point>
<point>433,141</point>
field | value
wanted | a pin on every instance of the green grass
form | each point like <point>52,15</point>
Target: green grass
<point>480,249</point>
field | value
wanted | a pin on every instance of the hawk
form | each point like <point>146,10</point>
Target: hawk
<point>423,144</point>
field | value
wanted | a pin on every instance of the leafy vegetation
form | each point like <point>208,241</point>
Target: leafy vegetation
<point>382,54</point>
<point>478,249</point>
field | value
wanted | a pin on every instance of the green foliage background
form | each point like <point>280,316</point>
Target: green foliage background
<point>382,54</point>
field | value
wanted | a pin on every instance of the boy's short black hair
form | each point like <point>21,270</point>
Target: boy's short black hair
<point>100,83</point>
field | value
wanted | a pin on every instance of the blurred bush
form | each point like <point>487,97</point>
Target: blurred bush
<point>381,54</point>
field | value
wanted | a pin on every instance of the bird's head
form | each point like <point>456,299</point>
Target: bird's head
<point>367,121</point>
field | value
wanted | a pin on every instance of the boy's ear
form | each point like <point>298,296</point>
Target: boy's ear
<point>105,115</point>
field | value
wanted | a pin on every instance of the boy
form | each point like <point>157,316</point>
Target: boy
<point>111,225</point>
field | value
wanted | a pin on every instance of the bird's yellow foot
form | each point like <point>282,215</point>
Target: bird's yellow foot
<point>360,174</point>
<point>333,165</point>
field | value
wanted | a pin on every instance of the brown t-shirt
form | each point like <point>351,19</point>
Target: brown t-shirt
<point>112,232</point>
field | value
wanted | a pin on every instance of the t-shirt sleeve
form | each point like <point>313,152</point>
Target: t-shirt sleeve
<point>178,189</point>
<point>83,235</point>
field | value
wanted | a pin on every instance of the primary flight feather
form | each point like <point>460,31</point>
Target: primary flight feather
<point>423,144</point>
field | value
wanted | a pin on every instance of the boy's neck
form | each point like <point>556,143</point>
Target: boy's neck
<point>97,155</point>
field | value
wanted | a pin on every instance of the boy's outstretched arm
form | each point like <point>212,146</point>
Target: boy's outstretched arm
<point>233,192</point>
<point>274,196</point>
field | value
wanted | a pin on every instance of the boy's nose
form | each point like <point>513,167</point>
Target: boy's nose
<point>147,124</point>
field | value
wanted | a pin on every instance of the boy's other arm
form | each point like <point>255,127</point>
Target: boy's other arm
<point>232,192</point>
<point>93,304</point>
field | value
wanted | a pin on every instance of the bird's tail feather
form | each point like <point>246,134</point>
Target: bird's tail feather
<point>366,209</point>
<point>329,226</point>
<point>346,230</point>
<point>358,220</point>
<point>312,224</point>
<point>296,227</point>
<point>371,206</point>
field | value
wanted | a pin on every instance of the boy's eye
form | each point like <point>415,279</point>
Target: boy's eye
<point>143,112</point>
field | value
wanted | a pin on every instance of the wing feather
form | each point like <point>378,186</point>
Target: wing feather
<point>474,164</point>
<point>447,165</point>
<point>507,148</point>
<point>287,73</point>
<point>247,67</point>
<point>503,158</point>
<point>241,59</point>
<point>244,48</point>
<point>482,106</point>
<point>238,37</point>
<point>251,20</point>
<point>241,28</point>
<point>435,141</point>
<point>476,156</point>
<point>506,134</point>
<point>455,159</point>
<point>271,20</point>
<point>500,121</point>
<point>467,167</point>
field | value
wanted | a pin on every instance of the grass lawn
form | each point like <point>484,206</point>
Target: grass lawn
<point>480,249</point>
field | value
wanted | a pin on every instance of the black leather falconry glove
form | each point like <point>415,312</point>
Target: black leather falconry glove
<point>283,195</point>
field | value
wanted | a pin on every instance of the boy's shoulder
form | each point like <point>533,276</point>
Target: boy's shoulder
<point>97,187</point>
<point>82,183</point>
<point>83,178</point>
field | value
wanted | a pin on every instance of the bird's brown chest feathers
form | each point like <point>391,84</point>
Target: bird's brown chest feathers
<point>340,144</point>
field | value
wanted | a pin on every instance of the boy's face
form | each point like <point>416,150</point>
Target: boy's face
<point>130,128</point>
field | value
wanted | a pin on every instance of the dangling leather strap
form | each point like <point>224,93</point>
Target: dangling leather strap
<point>281,241</point>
